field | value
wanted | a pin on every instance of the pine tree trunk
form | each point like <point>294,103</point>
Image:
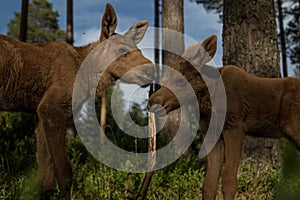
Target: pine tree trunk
<point>282,39</point>
<point>250,41</point>
<point>299,16</point>
<point>70,38</point>
<point>24,19</point>
<point>172,18</point>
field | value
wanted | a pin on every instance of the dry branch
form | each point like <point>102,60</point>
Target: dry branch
<point>152,156</point>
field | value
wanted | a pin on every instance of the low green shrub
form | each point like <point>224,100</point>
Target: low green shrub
<point>181,180</point>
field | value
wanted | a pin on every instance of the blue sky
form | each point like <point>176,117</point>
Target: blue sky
<point>87,15</point>
<point>87,21</point>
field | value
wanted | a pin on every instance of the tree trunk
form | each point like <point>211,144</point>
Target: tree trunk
<point>156,39</point>
<point>250,41</point>
<point>299,25</point>
<point>299,16</point>
<point>70,38</point>
<point>282,39</point>
<point>24,19</point>
<point>172,18</point>
<point>250,37</point>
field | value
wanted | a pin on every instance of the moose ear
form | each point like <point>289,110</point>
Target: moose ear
<point>137,31</point>
<point>192,53</point>
<point>109,22</point>
<point>200,54</point>
<point>210,46</point>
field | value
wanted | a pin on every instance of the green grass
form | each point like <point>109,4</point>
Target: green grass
<point>181,180</point>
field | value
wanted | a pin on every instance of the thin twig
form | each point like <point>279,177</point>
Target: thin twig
<point>152,157</point>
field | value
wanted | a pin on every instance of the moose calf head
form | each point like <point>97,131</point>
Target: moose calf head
<point>189,65</point>
<point>120,54</point>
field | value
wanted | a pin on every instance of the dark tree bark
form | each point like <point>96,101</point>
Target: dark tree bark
<point>157,25</point>
<point>172,18</point>
<point>70,38</point>
<point>250,41</point>
<point>24,19</point>
<point>250,36</point>
<point>282,39</point>
<point>299,16</point>
<point>157,55</point>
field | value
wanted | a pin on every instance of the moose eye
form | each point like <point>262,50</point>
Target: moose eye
<point>180,82</point>
<point>122,51</point>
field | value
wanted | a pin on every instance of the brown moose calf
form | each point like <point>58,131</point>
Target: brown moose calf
<point>39,78</point>
<point>255,106</point>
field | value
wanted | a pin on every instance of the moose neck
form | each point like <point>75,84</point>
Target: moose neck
<point>85,50</point>
<point>203,93</point>
<point>204,104</point>
<point>106,78</point>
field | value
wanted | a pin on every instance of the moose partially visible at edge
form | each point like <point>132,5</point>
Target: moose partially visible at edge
<point>262,107</point>
<point>38,78</point>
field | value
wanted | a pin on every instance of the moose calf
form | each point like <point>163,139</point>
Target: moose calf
<point>39,78</point>
<point>255,106</point>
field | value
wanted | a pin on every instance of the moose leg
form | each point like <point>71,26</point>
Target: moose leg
<point>290,117</point>
<point>53,121</point>
<point>214,162</point>
<point>233,139</point>
<point>292,128</point>
<point>45,164</point>
<point>62,166</point>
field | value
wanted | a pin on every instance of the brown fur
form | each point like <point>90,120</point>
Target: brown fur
<point>262,107</point>
<point>39,78</point>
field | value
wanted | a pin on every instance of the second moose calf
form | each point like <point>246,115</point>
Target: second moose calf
<point>262,107</point>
